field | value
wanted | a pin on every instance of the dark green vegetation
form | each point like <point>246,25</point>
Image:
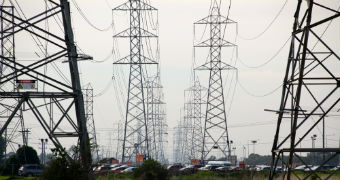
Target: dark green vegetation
<point>24,155</point>
<point>17,178</point>
<point>61,168</point>
<point>151,170</point>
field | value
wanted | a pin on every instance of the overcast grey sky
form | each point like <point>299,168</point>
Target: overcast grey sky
<point>176,18</point>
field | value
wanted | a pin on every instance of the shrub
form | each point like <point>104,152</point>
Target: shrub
<point>61,168</point>
<point>151,170</point>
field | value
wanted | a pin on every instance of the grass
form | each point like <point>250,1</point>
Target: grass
<point>17,178</point>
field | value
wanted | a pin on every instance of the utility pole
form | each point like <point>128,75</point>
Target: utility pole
<point>215,132</point>
<point>33,85</point>
<point>310,67</point>
<point>136,125</point>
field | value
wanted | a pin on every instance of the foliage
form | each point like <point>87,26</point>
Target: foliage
<point>120,176</point>
<point>61,168</point>
<point>24,155</point>
<point>11,166</point>
<point>17,178</point>
<point>151,170</point>
<point>27,155</point>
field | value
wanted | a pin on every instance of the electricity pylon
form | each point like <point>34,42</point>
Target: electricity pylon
<point>192,141</point>
<point>216,138</point>
<point>8,51</point>
<point>310,90</point>
<point>195,115</point>
<point>88,93</point>
<point>136,126</point>
<point>155,118</point>
<point>36,90</point>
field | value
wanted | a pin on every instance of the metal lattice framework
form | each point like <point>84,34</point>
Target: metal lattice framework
<point>51,91</point>
<point>216,138</point>
<point>156,118</point>
<point>8,51</point>
<point>191,124</point>
<point>196,116</point>
<point>135,139</point>
<point>310,91</point>
<point>91,128</point>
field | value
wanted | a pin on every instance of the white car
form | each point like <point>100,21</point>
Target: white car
<point>303,168</point>
<point>130,169</point>
<point>262,167</point>
<point>114,166</point>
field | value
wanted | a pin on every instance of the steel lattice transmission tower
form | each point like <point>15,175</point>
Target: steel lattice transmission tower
<point>216,138</point>
<point>88,101</point>
<point>8,51</point>
<point>40,92</point>
<point>156,118</point>
<point>310,90</point>
<point>191,123</point>
<point>195,115</point>
<point>136,126</point>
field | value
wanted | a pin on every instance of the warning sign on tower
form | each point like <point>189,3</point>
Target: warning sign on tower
<point>26,84</point>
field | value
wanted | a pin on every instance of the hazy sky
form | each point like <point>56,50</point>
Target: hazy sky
<point>176,18</point>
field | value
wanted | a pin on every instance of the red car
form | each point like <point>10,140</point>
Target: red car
<point>119,169</point>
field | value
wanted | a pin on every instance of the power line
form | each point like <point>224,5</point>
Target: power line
<point>269,60</point>
<point>88,21</point>
<point>255,95</point>
<point>268,27</point>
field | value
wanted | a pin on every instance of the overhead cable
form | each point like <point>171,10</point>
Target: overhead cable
<point>88,21</point>
<point>268,61</point>
<point>268,27</point>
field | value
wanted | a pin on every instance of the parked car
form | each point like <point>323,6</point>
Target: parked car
<point>335,168</point>
<point>223,169</point>
<point>129,169</point>
<point>119,169</point>
<point>303,167</point>
<point>103,168</point>
<point>115,165</point>
<point>209,168</point>
<point>190,168</point>
<point>175,167</point>
<point>30,170</point>
<point>262,168</point>
<point>322,168</point>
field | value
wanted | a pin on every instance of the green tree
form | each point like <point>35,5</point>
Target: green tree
<point>27,155</point>
<point>11,166</point>
<point>61,168</point>
<point>151,170</point>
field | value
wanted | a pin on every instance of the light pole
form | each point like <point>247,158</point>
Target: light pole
<point>313,146</point>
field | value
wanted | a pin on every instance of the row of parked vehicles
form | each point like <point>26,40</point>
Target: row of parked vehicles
<point>220,166</point>
<point>300,168</point>
<point>116,168</point>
